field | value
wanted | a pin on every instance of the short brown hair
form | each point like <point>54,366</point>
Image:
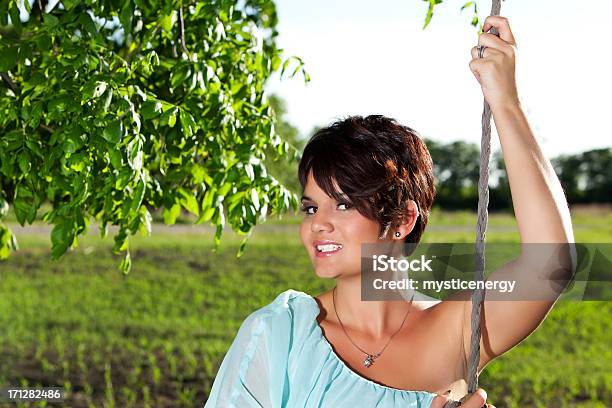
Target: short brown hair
<point>378,164</point>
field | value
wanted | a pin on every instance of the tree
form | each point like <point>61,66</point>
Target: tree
<point>109,108</point>
<point>586,177</point>
<point>456,169</point>
<point>283,170</point>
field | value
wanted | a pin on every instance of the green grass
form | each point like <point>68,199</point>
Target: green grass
<point>156,337</point>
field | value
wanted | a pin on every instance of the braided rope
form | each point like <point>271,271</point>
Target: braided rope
<point>481,231</point>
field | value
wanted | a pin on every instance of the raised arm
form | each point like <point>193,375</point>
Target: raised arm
<point>543,270</point>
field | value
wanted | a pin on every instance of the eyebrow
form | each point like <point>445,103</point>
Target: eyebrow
<point>306,198</point>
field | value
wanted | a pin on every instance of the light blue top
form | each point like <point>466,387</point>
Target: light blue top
<point>280,358</point>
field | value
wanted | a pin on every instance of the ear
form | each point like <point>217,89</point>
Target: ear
<point>407,225</point>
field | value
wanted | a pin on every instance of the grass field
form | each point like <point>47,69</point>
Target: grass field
<point>157,336</point>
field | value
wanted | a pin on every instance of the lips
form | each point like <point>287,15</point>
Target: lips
<point>325,248</point>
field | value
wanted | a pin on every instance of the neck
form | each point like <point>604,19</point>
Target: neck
<point>377,319</point>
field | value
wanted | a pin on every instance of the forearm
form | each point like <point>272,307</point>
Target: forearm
<point>539,202</point>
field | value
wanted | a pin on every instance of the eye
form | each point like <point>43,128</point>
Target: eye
<point>311,209</point>
<point>306,209</point>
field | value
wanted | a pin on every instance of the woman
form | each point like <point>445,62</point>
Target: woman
<point>370,180</point>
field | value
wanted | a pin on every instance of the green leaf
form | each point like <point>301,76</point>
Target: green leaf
<point>113,132</point>
<point>35,115</point>
<point>62,237</point>
<point>7,241</point>
<point>121,241</point>
<point>88,24</point>
<point>168,117</point>
<point>242,246</point>
<point>225,189</point>
<point>429,13</point>
<point>108,99</point>
<point>116,158</point>
<point>187,123</point>
<point>285,65</point>
<point>218,233</point>
<point>126,264</point>
<point>165,22</point>
<point>153,59</point>
<point>469,3</point>
<point>179,75</point>
<point>139,193</point>
<point>151,109</point>
<point>145,221</point>
<point>189,202</point>
<point>8,58</point>
<point>50,21</point>
<point>24,163</point>
<point>15,19</point>
<point>206,215</point>
<point>126,15</point>
<point>170,215</point>
<point>123,179</point>
<point>208,198</point>
<point>25,209</point>
<point>95,90</point>
<point>43,41</point>
<point>276,61</point>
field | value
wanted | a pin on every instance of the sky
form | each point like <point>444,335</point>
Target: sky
<point>373,57</point>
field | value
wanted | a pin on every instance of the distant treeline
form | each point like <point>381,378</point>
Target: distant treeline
<point>586,177</point>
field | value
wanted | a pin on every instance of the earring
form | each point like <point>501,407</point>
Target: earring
<point>397,234</point>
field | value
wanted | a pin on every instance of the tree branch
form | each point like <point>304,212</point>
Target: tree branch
<point>42,10</point>
<point>181,35</point>
<point>45,128</point>
<point>9,82</point>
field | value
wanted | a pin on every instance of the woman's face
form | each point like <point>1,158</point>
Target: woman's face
<point>332,232</point>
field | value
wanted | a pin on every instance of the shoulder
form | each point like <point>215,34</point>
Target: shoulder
<point>291,299</point>
<point>288,308</point>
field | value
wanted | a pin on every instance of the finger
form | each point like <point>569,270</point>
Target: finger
<point>477,400</point>
<point>491,41</point>
<point>488,52</point>
<point>439,401</point>
<point>503,27</point>
<point>476,65</point>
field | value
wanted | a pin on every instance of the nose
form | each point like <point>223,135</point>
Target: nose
<point>321,221</point>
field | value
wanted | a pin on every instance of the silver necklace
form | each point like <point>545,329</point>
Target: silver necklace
<point>369,360</point>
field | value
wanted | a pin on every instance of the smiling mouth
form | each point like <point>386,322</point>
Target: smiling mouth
<point>328,248</point>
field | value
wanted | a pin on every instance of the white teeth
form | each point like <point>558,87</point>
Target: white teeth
<point>328,247</point>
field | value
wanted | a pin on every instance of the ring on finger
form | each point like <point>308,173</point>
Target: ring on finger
<point>481,49</point>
